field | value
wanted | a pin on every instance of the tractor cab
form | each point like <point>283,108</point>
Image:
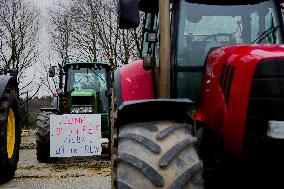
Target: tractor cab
<point>202,28</point>
<point>87,87</point>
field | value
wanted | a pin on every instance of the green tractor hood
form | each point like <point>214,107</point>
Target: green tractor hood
<point>83,92</point>
<point>81,97</point>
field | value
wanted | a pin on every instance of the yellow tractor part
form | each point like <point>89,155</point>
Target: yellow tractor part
<point>11,133</point>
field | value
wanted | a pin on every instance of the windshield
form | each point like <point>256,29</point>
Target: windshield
<point>87,78</point>
<point>205,26</point>
<point>202,27</point>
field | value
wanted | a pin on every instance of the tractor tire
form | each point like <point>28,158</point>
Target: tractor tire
<point>113,142</point>
<point>158,155</point>
<point>114,145</point>
<point>10,134</point>
<point>43,138</point>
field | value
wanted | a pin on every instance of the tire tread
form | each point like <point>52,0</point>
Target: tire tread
<point>168,168</point>
<point>43,138</point>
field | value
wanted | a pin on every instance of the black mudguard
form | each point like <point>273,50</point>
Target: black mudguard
<point>5,80</point>
<point>154,110</point>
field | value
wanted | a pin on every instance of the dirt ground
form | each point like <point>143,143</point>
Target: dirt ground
<point>95,173</point>
<point>66,173</point>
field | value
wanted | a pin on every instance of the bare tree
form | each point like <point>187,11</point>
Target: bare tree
<point>87,30</point>
<point>124,45</point>
<point>98,36</point>
<point>19,26</point>
<point>62,24</point>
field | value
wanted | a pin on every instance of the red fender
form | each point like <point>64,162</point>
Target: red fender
<point>134,83</point>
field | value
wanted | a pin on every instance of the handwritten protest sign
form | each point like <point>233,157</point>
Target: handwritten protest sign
<point>75,135</point>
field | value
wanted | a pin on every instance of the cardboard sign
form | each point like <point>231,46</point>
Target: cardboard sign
<point>75,135</point>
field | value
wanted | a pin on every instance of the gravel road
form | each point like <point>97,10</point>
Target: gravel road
<point>67,173</point>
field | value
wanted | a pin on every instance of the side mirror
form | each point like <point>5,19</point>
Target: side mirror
<point>55,102</point>
<point>128,11</point>
<point>152,37</point>
<point>51,72</point>
<point>148,62</point>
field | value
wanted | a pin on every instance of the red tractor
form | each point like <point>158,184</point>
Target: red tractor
<point>223,55</point>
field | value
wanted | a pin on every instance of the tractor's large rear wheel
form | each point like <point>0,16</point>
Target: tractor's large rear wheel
<point>10,134</point>
<point>43,138</point>
<point>158,155</point>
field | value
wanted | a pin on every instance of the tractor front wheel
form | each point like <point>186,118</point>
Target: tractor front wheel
<point>43,138</point>
<point>158,155</point>
<point>10,134</point>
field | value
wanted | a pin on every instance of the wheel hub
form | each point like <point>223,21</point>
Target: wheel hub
<point>11,127</point>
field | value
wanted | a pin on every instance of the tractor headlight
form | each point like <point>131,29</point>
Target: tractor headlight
<point>81,109</point>
<point>275,129</point>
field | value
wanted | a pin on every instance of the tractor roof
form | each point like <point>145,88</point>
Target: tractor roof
<point>153,5</point>
<point>70,63</point>
<point>104,64</point>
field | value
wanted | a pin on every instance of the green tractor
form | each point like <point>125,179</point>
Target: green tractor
<point>84,88</point>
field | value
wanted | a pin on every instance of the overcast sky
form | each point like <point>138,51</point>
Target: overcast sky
<point>43,3</point>
<point>44,45</point>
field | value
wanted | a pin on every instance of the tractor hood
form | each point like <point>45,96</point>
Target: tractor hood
<point>242,58</point>
<point>238,82</point>
<point>83,92</point>
<point>244,55</point>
